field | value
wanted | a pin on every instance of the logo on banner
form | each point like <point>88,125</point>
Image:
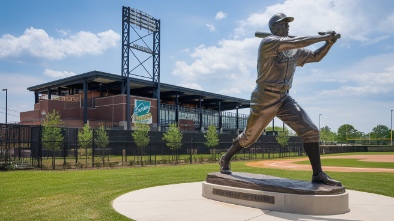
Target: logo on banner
<point>142,112</point>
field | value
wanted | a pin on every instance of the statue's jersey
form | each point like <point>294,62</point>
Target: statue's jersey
<point>275,69</point>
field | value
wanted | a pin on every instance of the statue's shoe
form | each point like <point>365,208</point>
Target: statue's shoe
<point>224,166</point>
<point>324,178</point>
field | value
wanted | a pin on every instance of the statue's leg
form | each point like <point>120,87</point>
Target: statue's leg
<point>258,119</point>
<point>297,119</point>
<point>312,150</point>
<point>225,159</point>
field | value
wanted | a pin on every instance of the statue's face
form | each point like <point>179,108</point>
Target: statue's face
<point>281,29</point>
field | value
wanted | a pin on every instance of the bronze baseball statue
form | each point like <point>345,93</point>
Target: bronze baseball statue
<point>278,56</point>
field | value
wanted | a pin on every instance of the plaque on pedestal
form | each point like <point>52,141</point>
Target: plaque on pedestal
<point>277,194</point>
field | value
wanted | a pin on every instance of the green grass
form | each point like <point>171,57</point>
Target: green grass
<point>361,153</point>
<point>87,194</point>
<point>136,160</point>
<point>351,163</point>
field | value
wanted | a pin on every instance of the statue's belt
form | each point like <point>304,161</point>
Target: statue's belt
<point>275,92</point>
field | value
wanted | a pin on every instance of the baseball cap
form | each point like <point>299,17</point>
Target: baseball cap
<point>279,18</point>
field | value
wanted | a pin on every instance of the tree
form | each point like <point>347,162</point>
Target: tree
<point>173,138</point>
<point>276,128</point>
<point>102,140</point>
<point>140,136</point>
<point>283,138</point>
<point>346,132</point>
<point>85,137</point>
<point>326,135</point>
<point>380,132</point>
<point>212,138</point>
<point>52,136</point>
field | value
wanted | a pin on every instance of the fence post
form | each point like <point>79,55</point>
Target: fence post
<point>64,153</point>
<point>93,147</point>
<point>76,153</point>
<point>150,153</point>
<point>190,151</point>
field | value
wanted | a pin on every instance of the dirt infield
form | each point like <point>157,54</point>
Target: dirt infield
<point>290,165</point>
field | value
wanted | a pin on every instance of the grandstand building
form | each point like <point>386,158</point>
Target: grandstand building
<point>96,98</point>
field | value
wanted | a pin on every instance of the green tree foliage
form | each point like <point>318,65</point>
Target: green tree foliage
<point>380,132</point>
<point>212,140</point>
<point>102,140</point>
<point>327,136</point>
<point>85,138</point>
<point>212,137</point>
<point>140,135</point>
<point>173,137</point>
<point>283,138</point>
<point>52,136</point>
<point>347,131</point>
<point>276,128</point>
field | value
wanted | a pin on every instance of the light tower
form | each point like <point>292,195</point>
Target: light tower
<point>133,19</point>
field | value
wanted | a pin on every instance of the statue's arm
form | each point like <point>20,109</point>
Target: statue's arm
<point>300,42</point>
<point>319,53</point>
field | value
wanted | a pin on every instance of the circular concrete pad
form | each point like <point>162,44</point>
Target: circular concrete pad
<point>185,202</point>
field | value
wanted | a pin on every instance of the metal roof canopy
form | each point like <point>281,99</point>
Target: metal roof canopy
<point>144,88</point>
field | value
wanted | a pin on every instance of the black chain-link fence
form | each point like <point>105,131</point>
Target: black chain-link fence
<point>23,147</point>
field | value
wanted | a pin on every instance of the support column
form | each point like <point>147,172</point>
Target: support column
<point>36,98</point>
<point>220,116</point>
<point>85,102</point>
<point>128,109</point>
<point>200,114</point>
<point>177,108</point>
<point>237,120</point>
<point>49,94</point>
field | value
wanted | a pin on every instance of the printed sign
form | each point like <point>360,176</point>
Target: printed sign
<point>142,112</point>
<point>244,196</point>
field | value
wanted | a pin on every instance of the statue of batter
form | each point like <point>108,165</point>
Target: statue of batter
<point>278,56</point>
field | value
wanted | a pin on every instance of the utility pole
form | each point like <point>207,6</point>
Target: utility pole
<point>6,108</point>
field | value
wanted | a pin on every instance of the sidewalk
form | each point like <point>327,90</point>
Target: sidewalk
<point>184,202</point>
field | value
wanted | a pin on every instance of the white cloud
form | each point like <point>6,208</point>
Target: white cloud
<point>63,32</point>
<point>58,74</point>
<point>361,95</point>
<point>226,67</point>
<point>18,83</point>
<point>211,27</point>
<point>232,91</point>
<point>37,43</point>
<point>220,15</point>
<point>354,19</point>
<point>191,85</point>
<point>370,77</point>
<point>19,98</point>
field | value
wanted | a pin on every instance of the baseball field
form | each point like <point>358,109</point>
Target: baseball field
<point>87,194</point>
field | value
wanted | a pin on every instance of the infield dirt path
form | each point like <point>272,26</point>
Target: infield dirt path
<point>291,165</point>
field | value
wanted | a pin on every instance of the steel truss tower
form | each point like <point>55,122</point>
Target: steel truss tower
<point>132,19</point>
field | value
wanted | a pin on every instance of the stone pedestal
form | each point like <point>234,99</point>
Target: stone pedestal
<point>275,193</point>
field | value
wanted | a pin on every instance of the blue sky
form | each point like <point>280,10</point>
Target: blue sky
<point>207,45</point>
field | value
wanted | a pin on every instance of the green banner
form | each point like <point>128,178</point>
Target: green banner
<point>142,112</point>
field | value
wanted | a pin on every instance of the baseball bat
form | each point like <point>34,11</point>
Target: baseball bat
<point>263,34</point>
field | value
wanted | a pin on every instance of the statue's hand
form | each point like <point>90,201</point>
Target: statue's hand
<point>332,33</point>
<point>334,36</point>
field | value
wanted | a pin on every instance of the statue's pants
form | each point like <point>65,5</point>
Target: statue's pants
<point>265,105</point>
